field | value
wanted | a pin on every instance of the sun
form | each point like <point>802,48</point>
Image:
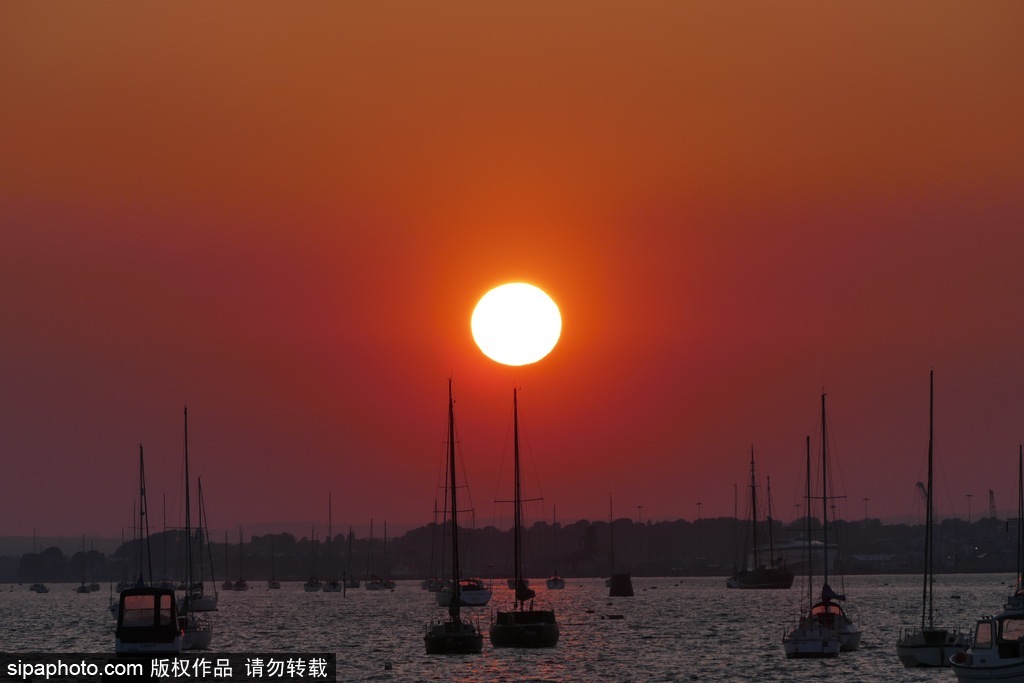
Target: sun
<point>516,324</point>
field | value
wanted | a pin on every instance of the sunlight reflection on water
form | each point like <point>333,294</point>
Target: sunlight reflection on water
<point>689,629</point>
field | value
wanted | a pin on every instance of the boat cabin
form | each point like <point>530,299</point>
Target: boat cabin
<point>147,621</point>
<point>826,612</point>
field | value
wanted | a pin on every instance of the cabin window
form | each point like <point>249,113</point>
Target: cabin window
<point>138,611</point>
<point>142,611</point>
<point>1012,629</point>
<point>983,635</point>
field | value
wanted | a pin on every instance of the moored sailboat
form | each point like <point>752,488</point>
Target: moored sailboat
<point>199,599</point>
<point>522,627</point>
<point>760,575</point>
<point>929,645</point>
<point>272,582</point>
<point>313,584</point>
<point>197,632</point>
<point>453,636</point>
<point>241,584</point>
<point>555,581</point>
<point>332,585</point>
<point>827,615</point>
<point>810,638</point>
<point>375,582</point>
<point>350,580</point>
<point>620,584</point>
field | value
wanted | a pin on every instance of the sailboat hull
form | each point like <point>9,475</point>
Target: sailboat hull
<point>525,628</point>
<point>930,647</point>
<point>196,632</point>
<point>811,640</point>
<point>453,638</point>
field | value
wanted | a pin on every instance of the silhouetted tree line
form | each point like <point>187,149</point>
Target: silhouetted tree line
<point>711,547</point>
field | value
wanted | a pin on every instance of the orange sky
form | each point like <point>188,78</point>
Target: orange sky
<point>282,215</point>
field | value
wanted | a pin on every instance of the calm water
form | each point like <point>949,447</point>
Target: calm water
<point>690,629</point>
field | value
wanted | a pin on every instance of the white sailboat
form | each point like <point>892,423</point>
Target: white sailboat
<point>813,636</point>
<point>197,632</point>
<point>199,599</point>
<point>929,645</point>
<point>810,638</point>
<point>519,626</point>
<point>453,636</point>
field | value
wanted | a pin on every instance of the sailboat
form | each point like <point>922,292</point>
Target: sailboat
<point>350,580</point>
<point>241,584</point>
<point>521,627</point>
<point>555,581</point>
<point>272,582</point>
<point>760,575</point>
<point>827,615</point>
<point>435,582</point>
<point>811,638</point>
<point>373,581</point>
<point>332,585</point>
<point>83,588</point>
<point>620,585</point>
<point>228,584</point>
<point>313,584</point>
<point>37,586</point>
<point>453,636</point>
<point>199,599</point>
<point>928,645</point>
<point>197,633</point>
<point>995,652</point>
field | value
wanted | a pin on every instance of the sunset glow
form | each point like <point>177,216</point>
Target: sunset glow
<point>284,219</point>
<point>516,324</point>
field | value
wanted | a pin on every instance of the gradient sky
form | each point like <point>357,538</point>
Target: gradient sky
<point>282,214</point>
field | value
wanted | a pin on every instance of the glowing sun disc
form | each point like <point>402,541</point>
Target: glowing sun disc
<point>516,324</point>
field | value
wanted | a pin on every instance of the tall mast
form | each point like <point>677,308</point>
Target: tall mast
<point>1020,512</point>
<point>330,540</point>
<point>771,533</point>
<point>517,519</point>
<point>927,597</point>
<point>753,506</point>
<point>143,519</point>
<point>453,604</point>
<point>611,535</point>
<point>205,538</point>
<point>824,492</point>
<point>807,517</point>
<point>188,523</point>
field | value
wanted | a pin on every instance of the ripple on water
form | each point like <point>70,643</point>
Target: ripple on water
<point>672,630</point>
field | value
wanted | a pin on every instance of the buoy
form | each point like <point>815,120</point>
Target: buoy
<point>387,666</point>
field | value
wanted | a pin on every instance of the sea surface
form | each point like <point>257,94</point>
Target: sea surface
<point>673,629</point>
